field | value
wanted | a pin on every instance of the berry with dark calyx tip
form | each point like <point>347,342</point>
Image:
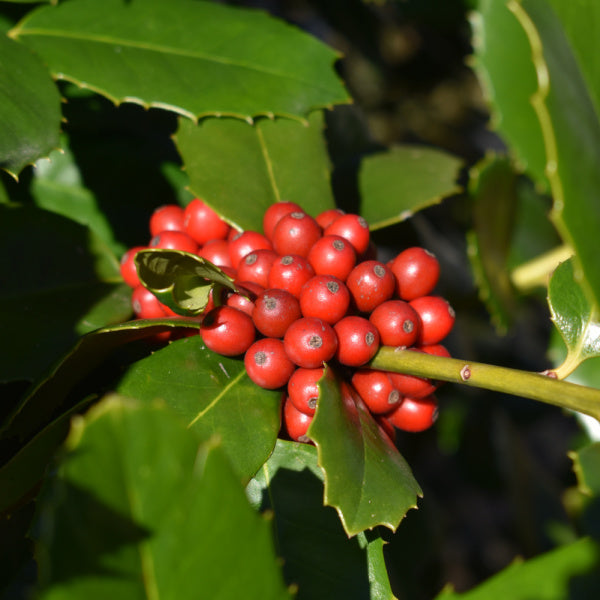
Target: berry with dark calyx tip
<point>274,311</point>
<point>358,340</point>
<point>267,363</point>
<point>310,342</point>
<point>245,297</point>
<point>146,305</point>
<point>202,223</point>
<point>353,228</point>
<point>227,331</point>
<point>290,273</point>
<point>417,272</point>
<point>376,390</point>
<point>370,283</point>
<point>296,233</point>
<point>256,266</point>
<point>296,423</point>
<point>328,216</point>
<point>332,255</point>
<point>397,322</point>
<point>217,252</point>
<point>245,242</point>
<point>325,297</point>
<point>414,414</point>
<point>168,217</point>
<point>436,316</point>
<point>128,268</point>
<point>174,240</point>
<point>274,214</point>
<point>303,389</point>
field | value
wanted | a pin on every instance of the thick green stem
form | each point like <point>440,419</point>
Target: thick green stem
<point>535,386</point>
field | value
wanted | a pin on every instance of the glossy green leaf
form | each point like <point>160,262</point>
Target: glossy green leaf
<point>180,280</point>
<point>165,512</point>
<point>290,484</point>
<point>577,320</point>
<point>215,397</point>
<point>366,479</point>
<point>29,108</point>
<point>586,464</point>
<point>194,58</point>
<point>550,576</point>
<point>404,180</point>
<point>241,169</point>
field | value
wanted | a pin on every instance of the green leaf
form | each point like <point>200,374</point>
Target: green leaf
<point>576,319</point>
<point>240,169</point>
<point>366,479</point>
<point>550,576</point>
<point>290,484</point>
<point>194,58</point>
<point>586,464</point>
<point>164,513</point>
<point>29,108</point>
<point>180,280</point>
<point>214,396</point>
<point>404,180</point>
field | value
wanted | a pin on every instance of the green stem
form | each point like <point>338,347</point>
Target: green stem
<point>537,271</point>
<point>536,386</point>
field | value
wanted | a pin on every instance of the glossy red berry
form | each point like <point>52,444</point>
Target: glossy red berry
<point>174,240</point>
<point>295,233</point>
<point>217,252</point>
<point>325,297</point>
<point>275,212</point>
<point>146,305</point>
<point>245,297</point>
<point>274,311</point>
<point>332,255</point>
<point>370,283</point>
<point>376,390</point>
<point>417,272</point>
<point>436,317</point>
<point>310,342</point>
<point>358,340</point>
<point>397,322</point>
<point>290,273</point>
<point>328,216</point>
<point>303,389</point>
<point>166,218</point>
<point>227,331</point>
<point>414,414</point>
<point>413,386</point>
<point>245,242</point>
<point>202,223</point>
<point>267,363</point>
<point>353,228</point>
<point>128,268</point>
<point>295,422</point>
<point>256,266</point>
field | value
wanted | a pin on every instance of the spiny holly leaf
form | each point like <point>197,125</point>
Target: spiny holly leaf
<point>194,58</point>
<point>366,479</point>
<point>164,511</point>
<point>215,397</point>
<point>577,320</point>
<point>290,484</point>
<point>181,280</point>
<point>241,169</point>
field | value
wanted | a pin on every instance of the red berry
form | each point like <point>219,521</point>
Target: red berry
<point>397,322</point>
<point>256,266</point>
<point>303,389</point>
<point>245,242</point>
<point>414,414</point>
<point>413,386</point>
<point>376,389</point>
<point>274,311</point>
<point>436,316</point>
<point>295,233</point>
<point>166,218</point>
<point>295,422</point>
<point>217,252</point>
<point>353,228</point>
<point>128,268</point>
<point>174,240</point>
<point>325,297</point>
<point>328,216</point>
<point>386,426</point>
<point>358,340</point>
<point>332,255</point>
<point>267,363</point>
<point>202,223</point>
<point>417,272</point>
<point>310,342</point>
<point>370,283</point>
<point>146,305</point>
<point>227,331</point>
<point>290,273</point>
<point>275,212</point>
<point>245,297</point>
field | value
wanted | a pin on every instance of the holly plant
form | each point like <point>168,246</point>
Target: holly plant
<point>242,324</point>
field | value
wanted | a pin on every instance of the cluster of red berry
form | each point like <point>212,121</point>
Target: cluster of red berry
<point>310,291</point>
